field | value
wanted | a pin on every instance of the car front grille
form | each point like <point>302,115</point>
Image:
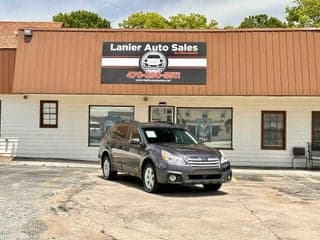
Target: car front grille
<point>204,177</point>
<point>204,162</point>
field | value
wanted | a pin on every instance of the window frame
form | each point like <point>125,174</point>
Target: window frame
<point>212,108</point>
<point>42,125</point>
<point>312,122</point>
<point>163,106</point>
<point>89,108</point>
<point>284,137</point>
<point>122,138</point>
<point>130,134</point>
<point>0,118</point>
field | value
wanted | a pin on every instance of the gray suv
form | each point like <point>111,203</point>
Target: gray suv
<point>161,153</point>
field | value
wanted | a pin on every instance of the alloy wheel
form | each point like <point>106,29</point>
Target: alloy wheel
<point>149,177</point>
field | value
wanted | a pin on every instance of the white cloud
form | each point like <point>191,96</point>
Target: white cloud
<point>39,10</point>
<point>227,12</point>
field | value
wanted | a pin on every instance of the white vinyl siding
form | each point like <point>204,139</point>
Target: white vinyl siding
<point>20,124</point>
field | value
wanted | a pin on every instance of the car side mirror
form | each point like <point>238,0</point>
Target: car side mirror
<point>135,141</point>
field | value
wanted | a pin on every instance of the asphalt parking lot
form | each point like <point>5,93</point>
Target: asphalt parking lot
<point>43,201</point>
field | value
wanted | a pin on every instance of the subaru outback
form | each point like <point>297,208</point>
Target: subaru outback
<point>161,153</point>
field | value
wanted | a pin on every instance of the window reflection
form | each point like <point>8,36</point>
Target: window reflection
<point>102,118</point>
<point>213,126</point>
<point>273,134</point>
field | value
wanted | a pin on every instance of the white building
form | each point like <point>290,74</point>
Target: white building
<point>253,93</point>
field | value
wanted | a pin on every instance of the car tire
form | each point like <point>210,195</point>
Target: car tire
<point>212,187</point>
<point>108,174</point>
<point>149,179</point>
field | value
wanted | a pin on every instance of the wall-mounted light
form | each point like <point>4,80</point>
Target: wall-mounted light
<point>27,33</point>
<point>25,97</point>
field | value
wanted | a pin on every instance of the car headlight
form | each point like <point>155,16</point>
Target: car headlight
<point>172,159</point>
<point>223,158</point>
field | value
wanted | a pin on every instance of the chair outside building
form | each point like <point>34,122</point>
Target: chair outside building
<point>299,153</point>
<point>313,155</point>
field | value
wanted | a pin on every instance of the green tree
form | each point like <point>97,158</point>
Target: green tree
<point>145,20</point>
<point>261,21</point>
<point>191,21</point>
<point>81,19</point>
<point>229,27</point>
<point>305,13</point>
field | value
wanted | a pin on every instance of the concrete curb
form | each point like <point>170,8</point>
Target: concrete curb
<point>50,162</point>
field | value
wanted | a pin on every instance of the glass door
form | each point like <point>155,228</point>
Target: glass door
<point>161,114</point>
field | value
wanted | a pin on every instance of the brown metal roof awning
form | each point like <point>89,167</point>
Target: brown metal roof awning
<point>267,62</point>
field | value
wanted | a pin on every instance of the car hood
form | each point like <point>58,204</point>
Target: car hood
<point>191,150</point>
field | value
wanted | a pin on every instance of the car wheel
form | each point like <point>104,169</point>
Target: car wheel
<point>212,187</point>
<point>149,179</point>
<point>106,169</point>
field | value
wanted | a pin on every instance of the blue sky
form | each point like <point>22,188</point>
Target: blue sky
<point>226,12</point>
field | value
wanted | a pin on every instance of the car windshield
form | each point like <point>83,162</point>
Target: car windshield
<point>168,135</point>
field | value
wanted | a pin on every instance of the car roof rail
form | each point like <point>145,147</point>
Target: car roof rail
<point>171,123</point>
<point>129,121</point>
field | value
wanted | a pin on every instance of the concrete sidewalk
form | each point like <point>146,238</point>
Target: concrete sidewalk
<point>95,164</point>
<point>49,162</point>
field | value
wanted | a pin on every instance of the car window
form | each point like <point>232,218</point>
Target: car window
<point>168,135</point>
<point>182,136</point>
<point>135,134</point>
<point>111,131</point>
<point>120,132</point>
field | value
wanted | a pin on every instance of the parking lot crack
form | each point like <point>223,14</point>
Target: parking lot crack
<point>103,231</point>
<point>252,213</point>
<point>125,224</point>
<point>63,206</point>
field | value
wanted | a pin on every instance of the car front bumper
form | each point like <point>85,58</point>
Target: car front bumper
<point>188,175</point>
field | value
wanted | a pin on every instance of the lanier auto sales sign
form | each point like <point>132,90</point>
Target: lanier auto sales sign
<point>153,62</point>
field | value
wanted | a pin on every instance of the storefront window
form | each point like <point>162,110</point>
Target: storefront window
<point>212,126</point>
<point>103,117</point>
